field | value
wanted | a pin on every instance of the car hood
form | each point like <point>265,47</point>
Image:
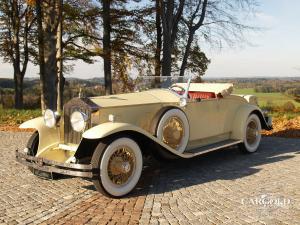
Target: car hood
<point>137,98</point>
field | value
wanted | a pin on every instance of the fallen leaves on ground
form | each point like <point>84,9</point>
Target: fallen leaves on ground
<point>14,128</point>
<point>283,127</point>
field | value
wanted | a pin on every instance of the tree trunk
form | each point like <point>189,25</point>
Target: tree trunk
<point>47,27</point>
<point>186,53</point>
<point>41,52</point>
<point>60,77</point>
<point>170,19</point>
<point>18,80</point>
<point>107,46</point>
<point>51,71</point>
<point>158,44</point>
<point>167,56</point>
<point>192,31</point>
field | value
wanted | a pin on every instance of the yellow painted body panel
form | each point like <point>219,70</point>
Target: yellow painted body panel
<point>240,119</point>
<point>49,139</point>
<point>106,129</point>
<point>210,121</point>
<point>138,98</point>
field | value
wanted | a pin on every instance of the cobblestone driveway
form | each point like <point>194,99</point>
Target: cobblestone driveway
<point>223,187</point>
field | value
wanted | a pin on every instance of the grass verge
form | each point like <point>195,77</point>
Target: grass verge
<point>14,117</point>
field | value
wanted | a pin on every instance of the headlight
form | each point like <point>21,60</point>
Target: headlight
<point>78,121</point>
<point>50,118</point>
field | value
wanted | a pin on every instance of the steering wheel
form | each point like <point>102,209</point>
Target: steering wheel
<point>182,89</point>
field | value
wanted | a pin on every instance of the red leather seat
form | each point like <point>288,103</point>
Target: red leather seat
<point>199,94</point>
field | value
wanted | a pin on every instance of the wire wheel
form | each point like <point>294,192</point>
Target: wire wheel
<point>121,165</point>
<point>173,129</point>
<point>173,132</point>
<point>119,162</point>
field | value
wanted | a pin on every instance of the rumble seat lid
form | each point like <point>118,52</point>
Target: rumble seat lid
<point>224,89</point>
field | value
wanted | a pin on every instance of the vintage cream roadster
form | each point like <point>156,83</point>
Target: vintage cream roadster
<point>105,138</point>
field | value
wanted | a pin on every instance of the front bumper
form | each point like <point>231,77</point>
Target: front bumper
<point>49,166</point>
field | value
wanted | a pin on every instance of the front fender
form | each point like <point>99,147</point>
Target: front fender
<point>240,119</point>
<point>48,137</point>
<point>106,129</point>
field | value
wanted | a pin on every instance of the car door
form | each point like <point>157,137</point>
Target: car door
<point>204,119</point>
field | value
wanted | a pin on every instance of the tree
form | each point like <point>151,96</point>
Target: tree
<point>59,57</point>
<point>106,17</point>
<point>213,22</point>
<point>192,27</point>
<point>171,14</point>
<point>122,46</point>
<point>16,19</point>
<point>217,22</point>
<point>57,45</point>
<point>158,40</point>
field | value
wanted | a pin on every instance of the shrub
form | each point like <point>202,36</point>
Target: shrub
<point>8,101</point>
<point>288,107</point>
<point>269,106</point>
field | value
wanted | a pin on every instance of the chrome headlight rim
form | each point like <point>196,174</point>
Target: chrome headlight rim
<point>50,118</point>
<point>78,121</point>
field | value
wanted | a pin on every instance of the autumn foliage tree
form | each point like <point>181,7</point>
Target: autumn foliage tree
<point>16,21</point>
<point>155,37</point>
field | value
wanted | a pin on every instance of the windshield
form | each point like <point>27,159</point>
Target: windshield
<point>150,82</point>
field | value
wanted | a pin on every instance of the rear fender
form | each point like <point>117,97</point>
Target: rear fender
<point>242,114</point>
<point>48,137</point>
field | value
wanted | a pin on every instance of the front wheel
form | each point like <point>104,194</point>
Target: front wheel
<point>252,134</point>
<point>32,146</point>
<point>119,163</point>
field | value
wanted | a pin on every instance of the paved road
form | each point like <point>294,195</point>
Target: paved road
<point>223,187</point>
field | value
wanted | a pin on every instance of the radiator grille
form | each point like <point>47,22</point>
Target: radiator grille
<point>77,104</point>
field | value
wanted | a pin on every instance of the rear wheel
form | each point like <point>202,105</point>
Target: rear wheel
<point>252,135</point>
<point>119,163</point>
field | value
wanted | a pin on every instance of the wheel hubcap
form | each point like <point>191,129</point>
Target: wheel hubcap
<point>252,132</point>
<point>121,165</point>
<point>173,132</point>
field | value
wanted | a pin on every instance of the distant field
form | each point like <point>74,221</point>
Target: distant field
<point>275,98</point>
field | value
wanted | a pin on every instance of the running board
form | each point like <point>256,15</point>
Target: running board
<point>210,148</point>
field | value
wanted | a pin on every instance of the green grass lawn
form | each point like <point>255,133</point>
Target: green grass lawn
<point>16,117</point>
<point>276,98</point>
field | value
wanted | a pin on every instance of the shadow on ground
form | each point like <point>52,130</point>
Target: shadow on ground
<point>224,164</point>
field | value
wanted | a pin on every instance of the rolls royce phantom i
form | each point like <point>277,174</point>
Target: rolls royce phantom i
<point>105,138</point>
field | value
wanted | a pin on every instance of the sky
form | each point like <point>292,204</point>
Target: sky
<point>272,52</point>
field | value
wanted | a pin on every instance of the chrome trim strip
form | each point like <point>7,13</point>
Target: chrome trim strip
<point>213,149</point>
<point>68,147</point>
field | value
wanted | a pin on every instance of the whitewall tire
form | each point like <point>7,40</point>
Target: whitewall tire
<point>174,130</point>
<point>252,134</point>
<point>120,164</point>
